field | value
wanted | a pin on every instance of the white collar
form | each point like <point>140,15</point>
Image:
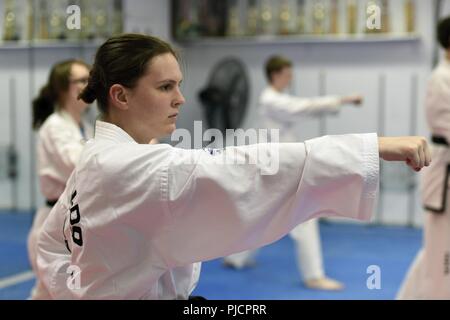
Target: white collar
<point>67,117</point>
<point>271,88</point>
<point>109,131</point>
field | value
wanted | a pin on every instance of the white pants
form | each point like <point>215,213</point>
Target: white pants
<point>308,251</point>
<point>429,275</point>
<point>39,291</point>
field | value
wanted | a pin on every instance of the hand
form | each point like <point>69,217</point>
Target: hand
<point>413,150</point>
<point>355,99</point>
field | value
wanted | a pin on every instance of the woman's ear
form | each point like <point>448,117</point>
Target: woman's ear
<point>118,96</point>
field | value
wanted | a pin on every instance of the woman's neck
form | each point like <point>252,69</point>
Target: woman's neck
<point>74,113</point>
<point>137,135</point>
<point>276,87</point>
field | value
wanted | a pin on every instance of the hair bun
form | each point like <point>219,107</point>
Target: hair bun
<point>88,95</point>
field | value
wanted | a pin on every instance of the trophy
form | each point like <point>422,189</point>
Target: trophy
<point>301,16</point>
<point>334,17</point>
<point>71,34</point>
<point>194,30</point>
<point>371,8</point>
<point>117,18</point>
<point>252,18</point>
<point>43,17</point>
<point>319,17</point>
<point>233,23</point>
<point>87,24</point>
<point>10,25</point>
<point>352,16</point>
<point>101,19</point>
<point>285,18</point>
<point>188,25</point>
<point>57,26</point>
<point>410,15</point>
<point>30,21</point>
<point>183,22</point>
<point>266,17</point>
<point>385,16</point>
<point>208,18</point>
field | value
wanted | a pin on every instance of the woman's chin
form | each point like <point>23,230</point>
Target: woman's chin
<point>171,128</point>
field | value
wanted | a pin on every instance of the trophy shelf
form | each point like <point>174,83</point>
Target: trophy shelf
<point>50,44</point>
<point>303,39</point>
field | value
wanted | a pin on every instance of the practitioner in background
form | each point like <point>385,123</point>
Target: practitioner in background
<point>282,111</point>
<point>58,117</point>
<point>429,274</point>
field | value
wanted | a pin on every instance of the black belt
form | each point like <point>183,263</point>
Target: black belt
<point>51,203</point>
<point>199,298</point>
<point>440,140</point>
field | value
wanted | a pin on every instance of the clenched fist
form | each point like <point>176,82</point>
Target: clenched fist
<point>413,150</point>
<point>355,99</point>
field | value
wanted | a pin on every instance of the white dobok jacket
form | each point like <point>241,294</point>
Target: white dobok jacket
<point>436,181</point>
<point>59,145</point>
<point>136,220</point>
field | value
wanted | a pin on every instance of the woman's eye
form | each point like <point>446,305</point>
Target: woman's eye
<point>166,87</point>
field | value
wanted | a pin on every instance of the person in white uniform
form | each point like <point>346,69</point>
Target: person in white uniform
<point>283,111</point>
<point>136,219</point>
<point>429,274</point>
<point>57,114</point>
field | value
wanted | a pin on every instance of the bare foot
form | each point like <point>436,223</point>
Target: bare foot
<point>324,284</point>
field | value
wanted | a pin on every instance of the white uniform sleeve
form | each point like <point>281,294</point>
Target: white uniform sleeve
<point>283,107</point>
<point>65,146</point>
<point>217,209</point>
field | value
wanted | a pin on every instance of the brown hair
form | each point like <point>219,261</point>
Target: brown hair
<point>275,64</point>
<point>51,93</point>
<point>122,59</point>
<point>443,32</point>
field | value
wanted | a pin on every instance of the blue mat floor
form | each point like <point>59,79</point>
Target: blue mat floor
<point>348,250</point>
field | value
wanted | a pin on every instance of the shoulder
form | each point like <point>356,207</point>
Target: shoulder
<point>56,124</point>
<point>53,120</point>
<point>441,74</point>
<point>128,158</point>
<point>124,170</point>
<point>268,94</point>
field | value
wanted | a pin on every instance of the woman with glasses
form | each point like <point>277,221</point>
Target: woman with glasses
<point>57,115</point>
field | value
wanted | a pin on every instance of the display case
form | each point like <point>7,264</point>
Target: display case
<point>54,23</point>
<point>280,21</point>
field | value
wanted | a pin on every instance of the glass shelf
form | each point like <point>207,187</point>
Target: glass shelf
<point>50,44</point>
<point>301,39</point>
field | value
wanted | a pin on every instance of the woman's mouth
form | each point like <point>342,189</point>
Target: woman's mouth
<point>173,116</point>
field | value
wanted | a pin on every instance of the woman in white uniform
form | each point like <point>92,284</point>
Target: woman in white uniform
<point>280,110</point>
<point>136,219</point>
<point>57,114</point>
<point>429,275</point>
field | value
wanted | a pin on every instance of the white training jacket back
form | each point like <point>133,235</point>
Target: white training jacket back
<point>137,218</point>
<point>59,145</point>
